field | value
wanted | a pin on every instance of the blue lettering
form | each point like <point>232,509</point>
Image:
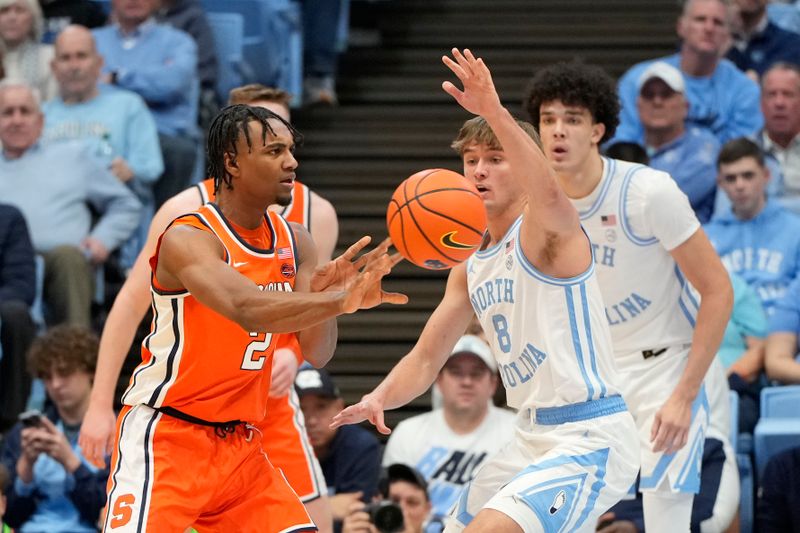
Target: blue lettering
<point>481,298</point>
<point>523,368</point>
<point>522,379</point>
<point>509,291</point>
<point>608,255</point>
<point>630,307</point>
<point>508,377</point>
<point>428,464</point>
<point>644,303</point>
<point>611,322</point>
<point>490,293</point>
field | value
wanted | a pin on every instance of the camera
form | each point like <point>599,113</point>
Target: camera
<point>386,516</point>
<point>31,419</point>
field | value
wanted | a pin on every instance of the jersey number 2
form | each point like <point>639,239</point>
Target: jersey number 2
<point>254,355</point>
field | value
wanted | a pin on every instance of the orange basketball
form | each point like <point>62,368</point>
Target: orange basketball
<point>436,218</point>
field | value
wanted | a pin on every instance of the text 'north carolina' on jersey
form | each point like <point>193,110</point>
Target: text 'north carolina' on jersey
<point>196,360</point>
<point>634,217</point>
<point>550,336</point>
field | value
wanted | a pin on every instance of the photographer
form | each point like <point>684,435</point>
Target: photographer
<point>53,488</point>
<point>405,488</point>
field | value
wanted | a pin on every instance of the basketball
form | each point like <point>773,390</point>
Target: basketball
<point>436,218</point>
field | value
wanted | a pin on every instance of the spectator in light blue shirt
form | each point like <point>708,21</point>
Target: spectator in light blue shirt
<point>757,239</point>
<point>54,186</point>
<point>688,155</point>
<point>114,122</point>
<point>721,98</point>
<point>159,63</point>
<point>782,343</point>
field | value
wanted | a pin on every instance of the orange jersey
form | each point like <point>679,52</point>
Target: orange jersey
<point>298,211</point>
<point>199,362</point>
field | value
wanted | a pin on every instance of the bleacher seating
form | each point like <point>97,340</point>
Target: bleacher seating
<point>272,42</point>
<point>779,426</point>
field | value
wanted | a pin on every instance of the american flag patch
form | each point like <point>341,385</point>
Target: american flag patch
<point>284,253</point>
<point>509,245</point>
<point>608,220</point>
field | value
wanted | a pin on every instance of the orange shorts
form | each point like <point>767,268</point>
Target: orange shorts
<point>168,474</point>
<point>287,446</point>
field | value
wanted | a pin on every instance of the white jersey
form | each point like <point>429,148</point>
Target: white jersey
<point>634,217</point>
<point>549,336</point>
<point>447,459</point>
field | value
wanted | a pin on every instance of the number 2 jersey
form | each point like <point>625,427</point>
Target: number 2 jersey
<point>196,360</point>
<point>550,336</point>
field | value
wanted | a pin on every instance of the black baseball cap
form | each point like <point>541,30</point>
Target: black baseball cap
<point>400,472</point>
<point>315,381</point>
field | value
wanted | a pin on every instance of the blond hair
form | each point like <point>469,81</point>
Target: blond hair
<point>477,131</point>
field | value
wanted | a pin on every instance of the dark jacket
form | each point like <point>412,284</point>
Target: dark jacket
<point>17,266</point>
<point>189,16</point>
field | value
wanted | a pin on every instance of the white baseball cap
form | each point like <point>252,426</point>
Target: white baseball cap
<point>472,345</point>
<point>664,72</point>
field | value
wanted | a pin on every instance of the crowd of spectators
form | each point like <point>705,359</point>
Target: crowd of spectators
<point>101,122</point>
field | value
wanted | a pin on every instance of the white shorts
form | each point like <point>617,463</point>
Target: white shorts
<point>556,477</point>
<point>647,387</point>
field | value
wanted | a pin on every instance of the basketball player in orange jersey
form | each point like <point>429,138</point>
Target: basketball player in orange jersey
<point>229,268</point>
<point>287,447</point>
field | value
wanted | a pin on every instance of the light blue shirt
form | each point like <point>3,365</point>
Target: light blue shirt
<point>691,160</point>
<point>747,320</point>
<point>54,510</point>
<point>764,251</point>
<point>726,103</point>
<point>786,316</point>
<point>159,63</point>
<point>115,123</point>
<point>54,184</point>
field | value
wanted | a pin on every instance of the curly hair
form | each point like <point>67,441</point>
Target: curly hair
<point>64,347</point>
<point>231,122</point>
<point>575,84</point>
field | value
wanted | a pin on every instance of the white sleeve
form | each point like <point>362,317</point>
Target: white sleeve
<point>657,208</point>
<point>398,445</point>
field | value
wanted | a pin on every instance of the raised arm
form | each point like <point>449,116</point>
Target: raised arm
<point>548,204</point>
<point>417,370</point>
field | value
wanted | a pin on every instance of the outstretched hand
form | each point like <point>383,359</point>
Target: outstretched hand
<point>479,95</point>
<point>337,273</point>
<point>365,290</point>
<point>368,408</point>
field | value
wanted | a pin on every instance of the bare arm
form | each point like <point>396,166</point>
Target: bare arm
<point>324,226</point>
<point>548,204</point>
<point>418,369</point>
<point>317,342</point>
<point>751,362</point>
<point>130,305</point>
<point>780,364</point>
<point>702,267</point>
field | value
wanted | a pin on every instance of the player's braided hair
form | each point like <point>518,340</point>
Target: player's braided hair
<point>575,84</point>
<point>231,122</point>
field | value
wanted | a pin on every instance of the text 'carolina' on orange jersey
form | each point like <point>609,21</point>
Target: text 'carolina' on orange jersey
<point>196,360</point>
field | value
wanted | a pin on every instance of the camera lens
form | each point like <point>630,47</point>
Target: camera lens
<point>386,516</point>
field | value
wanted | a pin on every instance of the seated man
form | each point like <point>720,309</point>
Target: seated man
<point>721,98</point>
<point>349,456</point>
<point>407,489</point>
<point>160,64</point>
<point>782,341</point>
<point>54,489</point>
<point>759,43</point>
<point>757,239</point>
<point>459,435</point>
<point>54,185</point>
<point>17,330</point>
<point>688,154</point>
<point>114,122</point>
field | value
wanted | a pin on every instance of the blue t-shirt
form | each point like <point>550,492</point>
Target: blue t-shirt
<point>691,160</point>
<point>747,320</point>
<point>726,103</point>
<point>785,317</point>
<point>764,251</point>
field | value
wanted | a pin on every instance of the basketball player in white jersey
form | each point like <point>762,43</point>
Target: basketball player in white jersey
<point>131,304</point>
<point>533,287</point>
<point>647,246</point>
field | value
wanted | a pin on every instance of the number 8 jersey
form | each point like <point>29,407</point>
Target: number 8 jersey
<point>196,360</point>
